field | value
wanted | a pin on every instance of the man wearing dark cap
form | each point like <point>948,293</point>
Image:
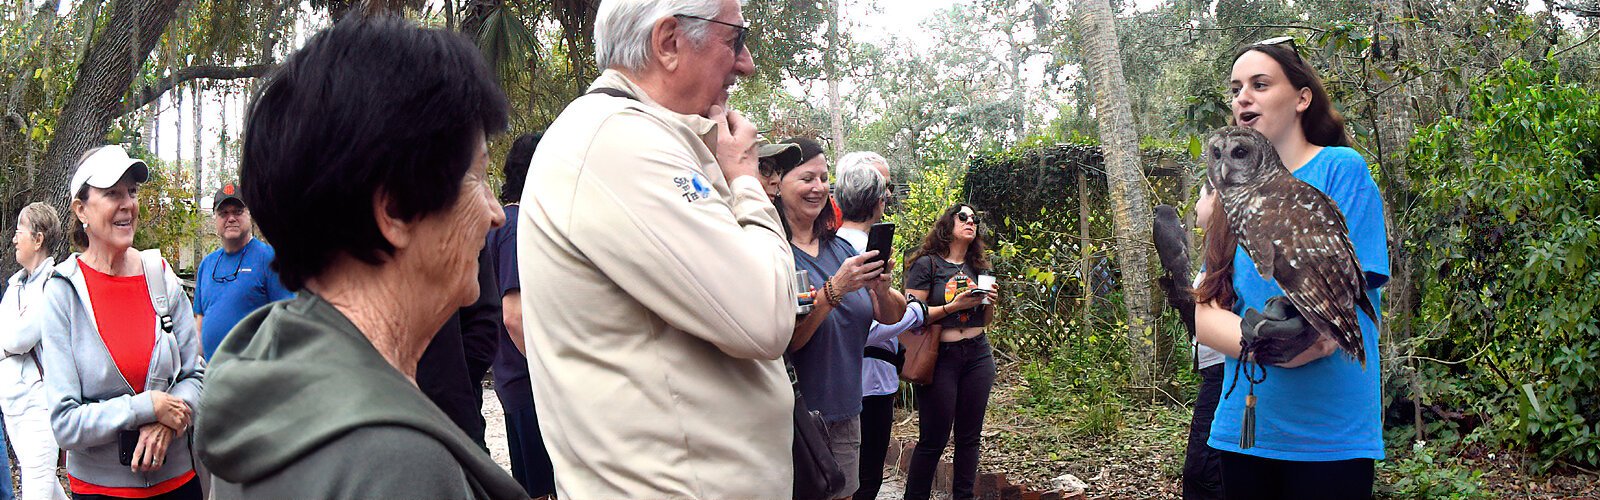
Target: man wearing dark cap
<point>237,278</point>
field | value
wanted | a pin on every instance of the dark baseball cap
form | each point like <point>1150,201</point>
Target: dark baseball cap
<point>229,191</point>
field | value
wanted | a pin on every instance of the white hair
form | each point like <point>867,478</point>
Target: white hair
<point>622,28</point>
<point>864,157</point>
<point>859,185</point>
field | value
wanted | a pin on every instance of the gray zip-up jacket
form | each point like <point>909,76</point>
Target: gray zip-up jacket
<point>91,401</point>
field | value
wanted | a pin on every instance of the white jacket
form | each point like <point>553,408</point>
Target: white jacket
<point>657,300</point>
<point>21,386</point>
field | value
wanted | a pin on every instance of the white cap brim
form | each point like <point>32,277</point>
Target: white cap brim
<point>105,167</point>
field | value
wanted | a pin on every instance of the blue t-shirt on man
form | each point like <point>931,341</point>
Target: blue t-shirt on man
<point>229,286</point>
<point>1328,409</point>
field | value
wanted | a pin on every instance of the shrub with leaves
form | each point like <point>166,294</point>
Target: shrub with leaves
<point>1509,226</point>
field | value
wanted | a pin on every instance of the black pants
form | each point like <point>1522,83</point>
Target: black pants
<point>189,491</point>
<point>1246,477</point>
<point>957,397</point>
<point>1202,464</point>
<point>530,463</point>
<point>877,417</point>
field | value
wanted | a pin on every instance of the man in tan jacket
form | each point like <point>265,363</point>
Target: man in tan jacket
<point>656,279</point>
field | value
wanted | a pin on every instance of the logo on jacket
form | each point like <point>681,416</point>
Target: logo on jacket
<point>694,187</point>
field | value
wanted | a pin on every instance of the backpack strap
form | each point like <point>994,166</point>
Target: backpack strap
<point>155,279</point>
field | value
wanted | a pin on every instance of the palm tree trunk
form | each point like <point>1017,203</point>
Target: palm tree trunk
<point>1125,179</point>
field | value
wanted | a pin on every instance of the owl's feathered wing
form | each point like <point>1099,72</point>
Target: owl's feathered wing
<point>1297,236</point>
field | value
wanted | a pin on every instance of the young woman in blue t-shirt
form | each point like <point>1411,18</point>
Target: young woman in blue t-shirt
<point>1318,425</point>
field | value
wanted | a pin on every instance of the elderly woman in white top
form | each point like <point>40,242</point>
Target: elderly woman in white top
<point>22,394</point>
<point>863,192</point>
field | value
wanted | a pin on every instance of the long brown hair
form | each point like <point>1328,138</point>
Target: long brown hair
<point>1219,248</point>
<point>1322,124</point>
<point>937,242</point>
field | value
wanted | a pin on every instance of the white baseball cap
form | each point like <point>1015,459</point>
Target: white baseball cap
<point>104,167</point>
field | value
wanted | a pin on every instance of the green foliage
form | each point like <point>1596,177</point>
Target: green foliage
<point>1423,474</point>
<point>168,218</point>
<point>934,190</point>
<point>1510,227</point>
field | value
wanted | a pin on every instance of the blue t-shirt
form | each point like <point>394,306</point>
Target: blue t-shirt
<point>229,286</point>
<point>510,366</point>
<point>829,365</point>
<point>1328,409</point>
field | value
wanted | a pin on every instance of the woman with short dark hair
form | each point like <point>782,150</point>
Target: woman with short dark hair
<point>364,163</point>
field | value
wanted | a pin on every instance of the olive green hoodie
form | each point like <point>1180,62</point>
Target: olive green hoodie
<point>298,404</point>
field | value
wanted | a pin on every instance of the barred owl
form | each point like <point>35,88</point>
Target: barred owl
<point>1294,233</point>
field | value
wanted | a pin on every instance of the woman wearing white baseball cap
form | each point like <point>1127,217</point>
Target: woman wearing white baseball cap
<point>121,355</point>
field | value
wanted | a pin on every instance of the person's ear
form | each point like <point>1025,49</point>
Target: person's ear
<point>394,229</point>
<point>78,210</point>
<point>667,43</point>
<point>1305,100</point>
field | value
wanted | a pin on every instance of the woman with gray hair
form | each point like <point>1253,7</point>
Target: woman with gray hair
<point>863,192</point>
<point>22,394</point>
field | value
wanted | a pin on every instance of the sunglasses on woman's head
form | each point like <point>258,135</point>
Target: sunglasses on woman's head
<point>1280,40</point>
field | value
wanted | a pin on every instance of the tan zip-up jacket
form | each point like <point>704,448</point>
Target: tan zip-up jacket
<point>657,300</point>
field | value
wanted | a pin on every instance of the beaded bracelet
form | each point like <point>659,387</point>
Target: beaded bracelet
<point>833,293</point>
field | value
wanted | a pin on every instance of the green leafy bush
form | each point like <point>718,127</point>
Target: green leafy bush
<point>1509,228</point>
<point>1421,473</point>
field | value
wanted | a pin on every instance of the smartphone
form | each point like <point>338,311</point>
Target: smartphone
<point>881,238</point>
<point>126,442</point>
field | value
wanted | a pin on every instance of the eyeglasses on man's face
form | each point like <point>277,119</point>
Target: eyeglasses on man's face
<point>967,217</point>
<point>738,39</point>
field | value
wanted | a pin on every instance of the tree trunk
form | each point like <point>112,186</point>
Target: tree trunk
<point>199,169</point>
<point>1085,265</point>
<point>835,114</point>
<point>1394,130</point>
<point>1125,180</point>
<point>103,79</point>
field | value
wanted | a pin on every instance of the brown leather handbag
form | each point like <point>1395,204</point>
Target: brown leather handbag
<point>922,352</point>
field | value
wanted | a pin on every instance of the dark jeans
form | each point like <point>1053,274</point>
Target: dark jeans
<point>957,397</point>
<point>189,491</point>
<point>877,417</point>
<point>1202,464</point>
<point>1246,477</point>
<point>530,463</point>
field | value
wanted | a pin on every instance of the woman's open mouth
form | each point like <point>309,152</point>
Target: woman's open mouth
<point>1248,118</point>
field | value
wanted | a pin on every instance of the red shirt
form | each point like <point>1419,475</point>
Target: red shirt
<point>126,320</point>
<point>127,325</point>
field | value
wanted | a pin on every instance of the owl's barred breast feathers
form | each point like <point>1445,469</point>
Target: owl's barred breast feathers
<point>1295,234</point>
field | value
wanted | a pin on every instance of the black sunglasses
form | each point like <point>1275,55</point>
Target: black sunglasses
<point>238,264</point>
<point>738,40</point>
<point>966,217</point>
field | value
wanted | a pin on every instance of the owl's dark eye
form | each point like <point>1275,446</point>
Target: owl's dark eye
<point>1239,152</point>
<point>1216,152</point>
